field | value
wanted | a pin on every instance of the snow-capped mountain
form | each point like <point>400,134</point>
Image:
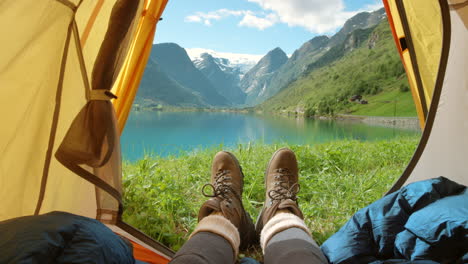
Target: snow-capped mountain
<point>225,78</point>
<point>244,62</point>
<point>205,60</point>
<point>173,79</point>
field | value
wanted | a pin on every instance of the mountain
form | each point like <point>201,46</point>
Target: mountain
<point>297,64</point>
<point>366,63</point>
<point>359,21</point>
<point>208,78</point>
<point>256,81</point>
<point>353,40</point>
<point>244,62</point>
<point>157,87</point>
<point>176,64</point>
<point>311,47</point>
<point>226,79</point>
<point>311,51</point>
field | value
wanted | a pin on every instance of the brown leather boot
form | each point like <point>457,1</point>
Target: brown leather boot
<point>281,183</point>
<point>227,181</point>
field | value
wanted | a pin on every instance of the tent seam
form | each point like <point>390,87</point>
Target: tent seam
<point>84,73</point>
<point>53,131</point>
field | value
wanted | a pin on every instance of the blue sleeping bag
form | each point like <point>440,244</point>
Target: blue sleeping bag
<point>60,237</point>
<point>424,222</point>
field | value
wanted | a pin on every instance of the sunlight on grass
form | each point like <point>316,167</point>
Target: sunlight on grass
<point>163,195</point>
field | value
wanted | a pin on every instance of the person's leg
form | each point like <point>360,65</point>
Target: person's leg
<point>224,227</point>
<point>214,240</point>
<point>284,237</point>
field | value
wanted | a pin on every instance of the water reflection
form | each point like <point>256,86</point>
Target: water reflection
<point>165,133</point>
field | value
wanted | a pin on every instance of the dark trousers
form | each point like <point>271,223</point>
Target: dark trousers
<point>290,246</point>
<point>205,248</point>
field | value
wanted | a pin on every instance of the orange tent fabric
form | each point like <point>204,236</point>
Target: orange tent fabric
<point>126,85</point>
<point>146,255</point>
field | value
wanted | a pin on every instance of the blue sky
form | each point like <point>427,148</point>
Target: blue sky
<point>254,26</point>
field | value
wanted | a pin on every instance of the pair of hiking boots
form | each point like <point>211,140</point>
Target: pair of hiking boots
<point>227,180</point>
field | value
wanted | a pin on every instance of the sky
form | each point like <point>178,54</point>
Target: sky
<point>254,26</point>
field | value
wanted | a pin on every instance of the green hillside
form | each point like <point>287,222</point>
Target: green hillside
<point>392,102</point>
<point>366,64</point>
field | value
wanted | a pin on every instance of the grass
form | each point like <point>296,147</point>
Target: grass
<point>163,195</point>
<point>391,103</point>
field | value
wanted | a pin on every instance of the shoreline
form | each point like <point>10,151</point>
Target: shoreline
<point>410,123</point>
<point>400,122</point>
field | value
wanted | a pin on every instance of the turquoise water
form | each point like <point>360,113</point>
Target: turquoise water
<point>170,133</point>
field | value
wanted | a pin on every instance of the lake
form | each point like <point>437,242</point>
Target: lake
<point>171,133</point>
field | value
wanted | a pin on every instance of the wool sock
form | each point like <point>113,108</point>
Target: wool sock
<point>280,222</point>
<point>221,226</point>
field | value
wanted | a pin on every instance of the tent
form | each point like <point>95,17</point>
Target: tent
<point>70,69</point>
<point>431,37</point>
<point>62,64</point>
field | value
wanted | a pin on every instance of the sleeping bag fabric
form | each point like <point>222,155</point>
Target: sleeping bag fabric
<point>60,237</point>
<point>424,222</point>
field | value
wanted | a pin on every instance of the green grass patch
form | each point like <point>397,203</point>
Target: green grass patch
<point>391,103</point>
<point>162,195</point>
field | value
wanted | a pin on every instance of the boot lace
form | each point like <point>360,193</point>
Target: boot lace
<point>282,190</point>
<point>221,187</point>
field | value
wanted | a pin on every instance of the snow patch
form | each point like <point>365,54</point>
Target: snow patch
<point>243,61</point>
<point>262,92</point>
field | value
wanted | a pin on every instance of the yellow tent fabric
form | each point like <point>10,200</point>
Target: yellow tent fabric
<point>59,140</point>
<point>417,28</point>
<point>426,34</point>
<point>127,82</point>
<point>34,69</point>
<point>397,30</point>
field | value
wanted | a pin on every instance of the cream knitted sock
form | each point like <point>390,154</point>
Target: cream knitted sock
<point>278,223</point>
<point>221,226</point>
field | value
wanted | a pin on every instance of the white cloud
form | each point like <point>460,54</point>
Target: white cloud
<point>317,16</point>
<point>249,18</point>
<point>373,7</point>
<point>193,18</point>
<point>207,18</point>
